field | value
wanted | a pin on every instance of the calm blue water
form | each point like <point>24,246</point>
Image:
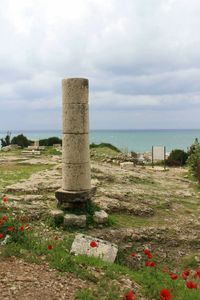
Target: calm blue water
<point>129,140</point>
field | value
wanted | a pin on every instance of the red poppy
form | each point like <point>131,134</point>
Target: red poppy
<point>21,228</point>
<point>191,285</point>
<point>150,256</point>
<point>129,296</point>
<point>5,199</point>
<point>150,264</point>
<point>185,274</point>
<point>11,228</point>
<point>147,252</point>
<point>93,244</point>
<point>197,273</point>
<point>173,276</point>
<point>133,254</point>
<point>4,218</point>
<point>50,247</point>
<point>1,235</point>
<point>165,294</point>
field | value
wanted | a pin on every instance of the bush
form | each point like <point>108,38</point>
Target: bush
<point>104,145</point>
<point>21,141</point>
<point>194,162</point>
<point>50,141</point>
<point>177,158</point>
<point>6,141</point>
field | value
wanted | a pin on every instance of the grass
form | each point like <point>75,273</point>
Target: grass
<point>12,172</point>
<point>130,221</point>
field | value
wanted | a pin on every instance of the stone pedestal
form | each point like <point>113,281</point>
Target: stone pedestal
<point>76,177</point>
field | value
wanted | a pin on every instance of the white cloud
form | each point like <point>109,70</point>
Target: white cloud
<point>141,55</point>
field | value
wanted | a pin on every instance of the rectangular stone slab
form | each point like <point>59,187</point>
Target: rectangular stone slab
<point>104,250</point>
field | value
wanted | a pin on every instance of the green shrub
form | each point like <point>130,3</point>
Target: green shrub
<point>194,162</point>
<point>50,141</point>
<point>21,141</point>
<point>6,141</point>
<point>177,158</point>
<point>104,145</point>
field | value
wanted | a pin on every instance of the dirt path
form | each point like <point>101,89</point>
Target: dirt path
<point>20,280</point>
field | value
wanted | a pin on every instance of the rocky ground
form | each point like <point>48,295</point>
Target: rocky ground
<point>147,206</point>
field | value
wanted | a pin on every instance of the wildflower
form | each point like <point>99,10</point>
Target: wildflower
<point>173,276</point>
<point>129,296</point>
<point>191,285</point>
<point>4,218</point>
<point>30,228</point>
<point>150,264</point>
<point>1,235</point>
<point>50,247</point>
<point>147,252</point>
<point>197,273</point>
<point>185,274</point>
<point>21,228</point>
<point>133,254</point>
<point>165,294</point>
<point>11,228</point>
<point>93,244</point>
<point>5,199</point>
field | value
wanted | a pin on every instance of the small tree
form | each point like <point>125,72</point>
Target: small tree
<point>177,158</point>
<point>21,141</point>
<point>194,162</point>
<point>6,141</point>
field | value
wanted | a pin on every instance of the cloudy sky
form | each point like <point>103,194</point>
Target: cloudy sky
<point>142,58</point>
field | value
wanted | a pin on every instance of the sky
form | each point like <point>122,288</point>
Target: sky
<point>142,59</point>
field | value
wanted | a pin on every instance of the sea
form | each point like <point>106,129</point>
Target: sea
<point>127,140</point>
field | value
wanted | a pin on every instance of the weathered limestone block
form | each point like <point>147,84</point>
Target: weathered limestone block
<point>77,151</point>
<point>71,220</point>
<point>75,90</point>
<point>98,248</point>
<point>76,177</point>
<point>100,217</point>
<point>56,213</point>
<point>75,118</point>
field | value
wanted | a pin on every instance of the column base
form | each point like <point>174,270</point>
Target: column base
<point>73,199</point>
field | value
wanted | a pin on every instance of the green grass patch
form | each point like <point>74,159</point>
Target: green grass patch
<point>12,172</point>
<point>127,221</point>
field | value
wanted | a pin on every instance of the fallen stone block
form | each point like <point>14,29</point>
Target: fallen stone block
<point>87,245</point>
<point>71,220</point>
<point>100,217</point>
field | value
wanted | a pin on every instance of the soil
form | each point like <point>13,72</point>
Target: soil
<point>20,280</point>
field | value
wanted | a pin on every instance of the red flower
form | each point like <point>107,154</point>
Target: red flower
<point>197,273</point>
<point>147,252</point>
<point>11,228</point>
<point>50,247</point>
<point>93,244</point>
<point>133,254</point>
<point>173,276</point>
<point>129,296</point>
<point>1,235</point>
<point>165,294</point>
<point>21,228</point>
<point>185,274</point>
<point>191,285</point>
<point>30,228</point>
<point>150,256</point>
<point>4,218</point>
<point>5,199</point>
<point>150,264</point>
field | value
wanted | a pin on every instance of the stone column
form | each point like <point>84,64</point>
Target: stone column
<point>76,178</point>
